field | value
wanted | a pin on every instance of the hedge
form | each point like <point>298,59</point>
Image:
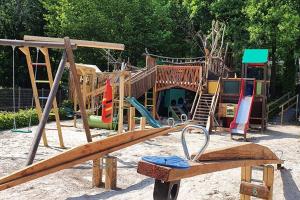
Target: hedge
<point>23,118</point>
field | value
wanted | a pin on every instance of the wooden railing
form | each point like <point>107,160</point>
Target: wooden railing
<point>187,77</point>
<point>213,105</point>
<point>293,101</point>
<point>142,82</point>
<point>196,99</point>
<point>274,107</point>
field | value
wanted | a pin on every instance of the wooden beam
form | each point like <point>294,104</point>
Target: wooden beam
<point>80,154</point>
<point>79,43</point>
<point>171,174</point>
<point>250,189</point>
<point>121,102</point>
<point>76,82</point>
<point>23,43</point>
<point>110,172</point>
<point>245,151</point>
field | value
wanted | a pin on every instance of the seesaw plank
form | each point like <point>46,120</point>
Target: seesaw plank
<point>81,154</point>
<point>241,158</point>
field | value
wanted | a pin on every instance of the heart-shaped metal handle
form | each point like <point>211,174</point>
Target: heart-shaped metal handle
<point>184,145</point>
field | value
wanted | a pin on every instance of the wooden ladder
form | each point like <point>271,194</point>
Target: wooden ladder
<point>37,98</point>
<point>150,98</point>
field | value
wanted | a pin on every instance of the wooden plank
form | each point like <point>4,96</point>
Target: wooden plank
<point>244,151</point>
<point>110,172</point>
<point>196,168</point>
<point>77,155</point>
<point>246,176</point>
<point>79,43</point>
<point>23,43</point>
<point>250,189</point>
<point>76,82</point>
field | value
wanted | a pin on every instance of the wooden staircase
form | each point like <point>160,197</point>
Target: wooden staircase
<point>202,110</point>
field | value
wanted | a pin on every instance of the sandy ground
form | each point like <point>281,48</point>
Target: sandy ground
<point>75,183</point>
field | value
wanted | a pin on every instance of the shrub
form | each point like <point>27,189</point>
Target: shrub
<point>22,118</point>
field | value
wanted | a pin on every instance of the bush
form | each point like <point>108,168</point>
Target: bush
<point>23,117</point>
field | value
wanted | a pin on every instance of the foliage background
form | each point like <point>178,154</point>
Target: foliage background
<point>165,27</point>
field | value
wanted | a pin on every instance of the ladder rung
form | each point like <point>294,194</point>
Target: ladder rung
<point>43,97</point>
<point>38,64</point>
<point>41,81</point>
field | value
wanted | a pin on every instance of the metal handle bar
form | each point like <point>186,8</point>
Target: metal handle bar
<point>184,144</point>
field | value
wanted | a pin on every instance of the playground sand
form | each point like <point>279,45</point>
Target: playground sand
<point>75,183</point>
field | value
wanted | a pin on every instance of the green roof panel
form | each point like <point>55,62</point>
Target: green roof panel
<point>255,56</point>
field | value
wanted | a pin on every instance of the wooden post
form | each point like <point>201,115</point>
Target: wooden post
<point>131,121</point>
<point>121,102</point>
<point>97,173</point>
<point>70,57</point>
<point>110,172</point>
<point>246,177</point>
<point>143,123</point>
<point>154,101</point>
<point>268,178</point>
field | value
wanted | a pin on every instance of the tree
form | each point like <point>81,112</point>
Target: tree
<point>18,18</point>
<point>273,24</point>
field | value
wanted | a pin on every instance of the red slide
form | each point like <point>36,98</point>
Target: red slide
<point>240,124</point>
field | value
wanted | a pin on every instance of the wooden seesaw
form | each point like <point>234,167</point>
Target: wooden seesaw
<point>246,156</point>
<point>83,153</point>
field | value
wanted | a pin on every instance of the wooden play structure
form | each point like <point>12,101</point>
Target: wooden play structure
<point>255,66</point>
<point>206,77</point>
<point>246,156</point>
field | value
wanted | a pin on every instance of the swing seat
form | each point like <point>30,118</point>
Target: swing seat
<point>20,131</point>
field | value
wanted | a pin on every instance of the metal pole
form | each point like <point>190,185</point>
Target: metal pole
<point>42,124</point>
<point>281,120</point>
<point>19,100</point>
<point>297,104</point>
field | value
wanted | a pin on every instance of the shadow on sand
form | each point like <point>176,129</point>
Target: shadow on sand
<point>108,194</point>
<point>290,188</point>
